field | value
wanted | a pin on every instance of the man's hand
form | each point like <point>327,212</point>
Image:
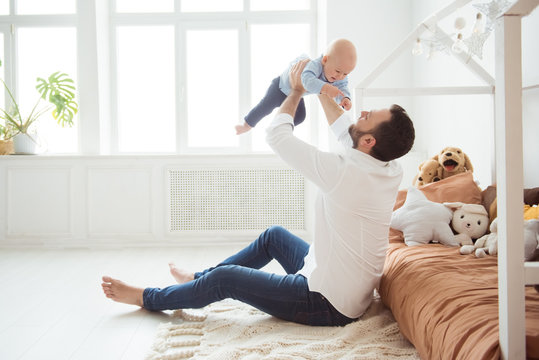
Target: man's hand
<point>331,91</point>
<point>290,104</point>
<point>295,75</point>
<point>346,104</point>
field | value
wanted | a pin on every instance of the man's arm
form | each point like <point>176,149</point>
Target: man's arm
<point>323,169</point>
<point>290,104</point>
<point>331,108</point>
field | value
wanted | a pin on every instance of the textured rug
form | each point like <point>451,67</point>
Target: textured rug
<point>232,330</point>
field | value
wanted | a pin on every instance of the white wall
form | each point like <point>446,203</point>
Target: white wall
<point>91,201</point>
<point>464,121</point>
<point>376,27</point>
<point>467,121</point>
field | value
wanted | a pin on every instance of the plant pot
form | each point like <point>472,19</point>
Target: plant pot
<point>6,147</point>
<point>24,144</point>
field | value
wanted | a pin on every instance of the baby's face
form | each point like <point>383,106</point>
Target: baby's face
<point>335,68</point>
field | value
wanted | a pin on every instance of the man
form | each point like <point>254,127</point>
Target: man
<point>331,281</point>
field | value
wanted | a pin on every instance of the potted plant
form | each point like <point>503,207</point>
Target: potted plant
<point>6,143</point>
<point>59,91</point>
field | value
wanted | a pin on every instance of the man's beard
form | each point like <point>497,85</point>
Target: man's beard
<point>355,134</point>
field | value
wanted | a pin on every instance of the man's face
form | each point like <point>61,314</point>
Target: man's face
<point>367,122</point>
<point>371,119</point>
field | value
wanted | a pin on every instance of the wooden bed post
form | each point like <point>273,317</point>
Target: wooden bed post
<point>510,180</point>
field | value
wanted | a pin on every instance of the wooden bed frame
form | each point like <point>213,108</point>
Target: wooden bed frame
<point>513,273</point>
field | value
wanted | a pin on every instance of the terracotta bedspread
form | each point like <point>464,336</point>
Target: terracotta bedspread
<point>446,304</point>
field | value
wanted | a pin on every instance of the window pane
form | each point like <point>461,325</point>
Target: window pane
<point>137,6</point>
<point>39,7</point>
<point>212,87</point>
<point>4,7</point>
<point>211,5</point>
<point>269,59</point>
<point>279,5</point>
<point>146,91</point>
<point>39,55</point>
<point>2,73</point>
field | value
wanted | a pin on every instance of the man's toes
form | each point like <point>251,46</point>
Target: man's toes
<point>107,279</point>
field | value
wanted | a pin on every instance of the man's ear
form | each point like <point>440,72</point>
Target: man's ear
<point>367,141</point>
<point>324,59</point>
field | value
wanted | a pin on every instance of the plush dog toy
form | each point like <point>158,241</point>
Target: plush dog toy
<point>470,221</point>
<point>488,244</point>
<point>429,171</point>
<point>453,161</point>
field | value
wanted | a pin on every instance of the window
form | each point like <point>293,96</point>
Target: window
<point>186,75</point>
<point>160,76</point>
<point>146,101</point>
<point>212,87</point>
<point>33,43</point>
<point>38,46</point>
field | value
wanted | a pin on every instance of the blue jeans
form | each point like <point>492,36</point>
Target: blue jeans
<point>273,99</point>
<point>238,277</point>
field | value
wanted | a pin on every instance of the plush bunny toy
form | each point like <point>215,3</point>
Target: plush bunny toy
<point>488,244</point>
<point>470,221</point>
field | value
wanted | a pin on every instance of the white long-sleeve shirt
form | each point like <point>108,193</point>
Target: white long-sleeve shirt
<point>352,213</point>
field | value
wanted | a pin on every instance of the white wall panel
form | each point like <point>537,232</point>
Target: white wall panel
<point>119,201</point>
<point>39,201</point>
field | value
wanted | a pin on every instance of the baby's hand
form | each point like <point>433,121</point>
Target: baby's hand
<point>346,104</point>
<point>331,91</point>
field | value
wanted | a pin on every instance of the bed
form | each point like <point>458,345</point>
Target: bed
<point>445,303</point>
<point>511,307</point>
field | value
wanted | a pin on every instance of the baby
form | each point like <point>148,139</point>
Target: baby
<point>327,75</point>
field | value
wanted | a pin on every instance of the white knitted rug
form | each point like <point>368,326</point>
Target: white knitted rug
<point>232,330</point>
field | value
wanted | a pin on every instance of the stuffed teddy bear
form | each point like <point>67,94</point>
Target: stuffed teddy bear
<point>453,161</point>
<point>488,244</point>
<point>470,221</point>
<point>429,171</point>
<point>422,220</point>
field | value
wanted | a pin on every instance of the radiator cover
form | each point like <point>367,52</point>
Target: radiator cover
<point>235,199</point>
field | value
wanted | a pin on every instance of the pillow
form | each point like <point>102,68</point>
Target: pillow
<point>531,196</point>
<point>422,220</point>
<point>461,187</point>
<point>456,188</point>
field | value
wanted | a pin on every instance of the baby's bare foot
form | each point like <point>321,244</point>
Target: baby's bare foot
<point>240,129</point>
<point>181,276</point>
<point>121,292</point>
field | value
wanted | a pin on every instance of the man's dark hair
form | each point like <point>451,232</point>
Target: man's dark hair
<point>395,137</point>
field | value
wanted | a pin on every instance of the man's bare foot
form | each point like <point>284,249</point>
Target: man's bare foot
<point>240,129</point>
<point>121,292</point>
<point>181,276</point>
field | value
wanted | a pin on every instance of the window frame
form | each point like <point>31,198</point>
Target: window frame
<point>183,22</point>
<point>95,23</point>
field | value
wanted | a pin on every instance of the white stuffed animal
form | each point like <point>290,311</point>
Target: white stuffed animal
<point>488,244</point>
<point>470,221</point>
<point>422,220</point>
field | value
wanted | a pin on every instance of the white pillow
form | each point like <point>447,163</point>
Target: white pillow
<point>422,221</point>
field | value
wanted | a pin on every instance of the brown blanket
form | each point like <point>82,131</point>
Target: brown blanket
<point>446,303</point>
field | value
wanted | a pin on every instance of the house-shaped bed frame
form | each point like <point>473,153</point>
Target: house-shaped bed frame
<point>506,87</point>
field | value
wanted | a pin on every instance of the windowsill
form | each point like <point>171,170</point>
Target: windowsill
<point>134,156</point>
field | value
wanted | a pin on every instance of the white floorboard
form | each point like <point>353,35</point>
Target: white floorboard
<point>52,305</point>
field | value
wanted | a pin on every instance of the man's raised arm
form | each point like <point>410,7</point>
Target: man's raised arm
<point>290,104</point>
<point>331,108</point>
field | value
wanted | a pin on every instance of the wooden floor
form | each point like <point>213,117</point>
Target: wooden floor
<point>52,305</point>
